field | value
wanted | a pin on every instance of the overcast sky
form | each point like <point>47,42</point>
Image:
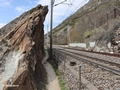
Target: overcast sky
<point>10,9</point>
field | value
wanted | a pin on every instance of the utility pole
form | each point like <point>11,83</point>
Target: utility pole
<point>51,23</point>
<point>47,36</point>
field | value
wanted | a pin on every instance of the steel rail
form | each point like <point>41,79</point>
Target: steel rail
<point>90,61</point>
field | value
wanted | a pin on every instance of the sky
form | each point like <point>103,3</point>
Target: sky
<point>10,9</point>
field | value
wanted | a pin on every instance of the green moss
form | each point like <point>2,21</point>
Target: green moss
<point>65,30</point>
<point>87,34</point>
<point>71,23</point>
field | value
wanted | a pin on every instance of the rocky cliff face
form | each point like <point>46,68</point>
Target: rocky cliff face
<point>21,51</point>
<point>97,22</point>
<point>116,42</point>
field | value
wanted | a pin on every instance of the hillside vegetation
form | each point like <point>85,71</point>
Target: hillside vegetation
<point>97,21</point>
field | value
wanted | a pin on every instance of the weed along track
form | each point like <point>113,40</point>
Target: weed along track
<point>98,71</point>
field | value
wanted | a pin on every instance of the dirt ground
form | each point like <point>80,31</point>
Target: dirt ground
<point>53,83</point>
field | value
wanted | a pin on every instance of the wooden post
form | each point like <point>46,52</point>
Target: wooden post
<point>107,17</point>
<point>57,57</point>
<point>79,77</point>
<point>101,21</point>
<point>114,13</point>
<point>64,67</point>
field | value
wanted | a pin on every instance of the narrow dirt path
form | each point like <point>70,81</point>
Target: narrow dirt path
<point>53,83</point>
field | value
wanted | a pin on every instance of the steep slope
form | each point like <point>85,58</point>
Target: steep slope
<point>21,51</point>
<point>96,21</point>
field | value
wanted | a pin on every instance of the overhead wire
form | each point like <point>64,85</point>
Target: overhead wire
<point>68,9</point>
<point>70,4</point>
<point>63,2</point>
<point>81,4</point>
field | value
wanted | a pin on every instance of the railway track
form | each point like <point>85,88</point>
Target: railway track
<point>107,65</point>
<point>96,62</point>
